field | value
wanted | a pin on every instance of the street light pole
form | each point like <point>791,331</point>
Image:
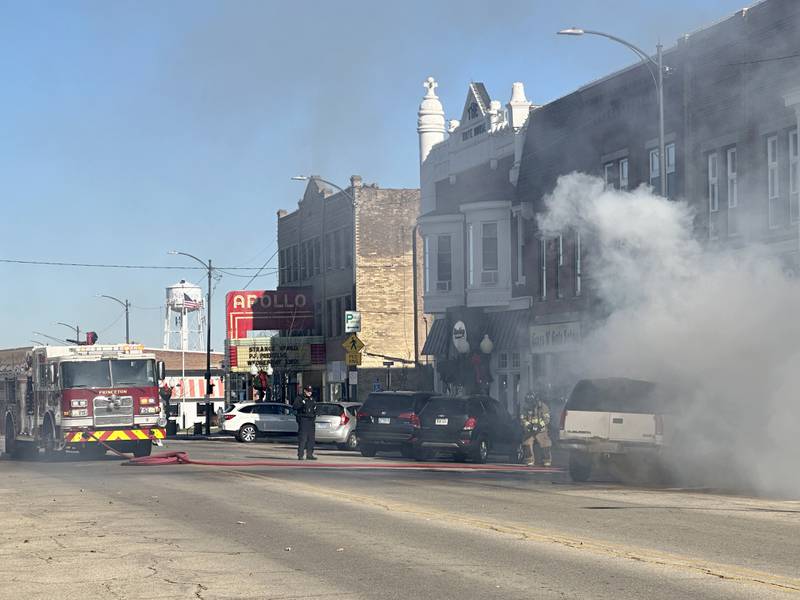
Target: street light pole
<point>207,396</point>
<point>658,80</point>
<point>74,328</point>
<point>127,306</point>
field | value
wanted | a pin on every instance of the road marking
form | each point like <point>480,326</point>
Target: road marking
<point>597,547</point>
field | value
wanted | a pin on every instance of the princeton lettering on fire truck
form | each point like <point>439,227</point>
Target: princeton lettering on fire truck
<point>114,435</point>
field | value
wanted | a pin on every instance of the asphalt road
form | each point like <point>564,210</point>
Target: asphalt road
<point>96,529</point>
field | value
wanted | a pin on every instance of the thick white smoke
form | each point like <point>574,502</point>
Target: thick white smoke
<point>722,325</point>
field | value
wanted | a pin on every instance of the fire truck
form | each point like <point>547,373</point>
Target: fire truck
<point>58,398</point>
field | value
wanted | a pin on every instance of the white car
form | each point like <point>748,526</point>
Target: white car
<point>249,420</point>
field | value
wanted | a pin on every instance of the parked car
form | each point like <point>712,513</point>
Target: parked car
<point>336,422</point>
<point>614,419</point>
<point>468,427</point>
<point>249,420</point>
<point>389,420</point>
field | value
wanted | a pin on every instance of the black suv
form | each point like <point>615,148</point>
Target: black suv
<point>468,427</point>
<point>388,421</point>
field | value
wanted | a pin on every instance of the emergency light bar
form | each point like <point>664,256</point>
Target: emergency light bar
<point>101,350</point>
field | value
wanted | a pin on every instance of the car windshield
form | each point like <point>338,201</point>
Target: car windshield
<point>446,406</point>
<point>86,374</point>
<point>133,372</point>
<point>393,402</point>
<point>617,395</point>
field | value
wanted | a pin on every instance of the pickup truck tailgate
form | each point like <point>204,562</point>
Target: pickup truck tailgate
<point>584,424</point>
<point>632,427</point>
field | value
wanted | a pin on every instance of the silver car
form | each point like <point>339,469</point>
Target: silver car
<point>336,423</point>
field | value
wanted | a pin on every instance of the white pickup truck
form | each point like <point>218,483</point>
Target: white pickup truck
<point>615,420</point>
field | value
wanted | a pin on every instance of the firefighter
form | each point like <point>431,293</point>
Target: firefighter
<point>535,422</point>
<point>306,412</point>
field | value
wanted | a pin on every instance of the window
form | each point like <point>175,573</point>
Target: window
<point>515,360</point>
<point>304,260</point>
<point>577,263</point>
<point>426,261</point>
<point>465,135</point>
<point>489,254</point>
<point>444,263</point>
<point>773,190</point>
<point>623,174</point>
<point>654,167</point>
<point>473,112</point>
<point>294,267</point>
<point>543,268</point>
<point>479,129</point>
<point>339,318</point>
<point>794,164</point>
<point>337,249</point>
<point>713,188</point>
<point>520,249</point>
<point>733,196</point>
<point>328,251</point>
<point>502,360</point>
<point>669,151</point>
<point>559,263</point>
<point>471,254</point>
<point>608,174</point>
<point>282,266</point>
<point>348,247</point>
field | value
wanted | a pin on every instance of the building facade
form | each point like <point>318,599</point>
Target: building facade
<point>356,248</point>
<point>471,232</point>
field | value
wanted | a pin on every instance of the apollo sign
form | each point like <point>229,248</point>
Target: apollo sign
<point>288,309</point>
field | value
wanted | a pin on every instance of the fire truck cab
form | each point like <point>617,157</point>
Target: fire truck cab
<point>74,397</point>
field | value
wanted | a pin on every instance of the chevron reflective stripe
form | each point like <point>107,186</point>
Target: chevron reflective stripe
<point>115,435</point>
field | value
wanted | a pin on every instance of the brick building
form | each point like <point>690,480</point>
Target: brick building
<point>732,99</point>
<point>355,248</point>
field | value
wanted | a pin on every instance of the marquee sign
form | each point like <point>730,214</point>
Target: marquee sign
<point>288,309</point>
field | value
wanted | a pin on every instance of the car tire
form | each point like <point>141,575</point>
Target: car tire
<point>580,466</point>
<point>352,442</point>
<point>481,452</point>
<point>49,439</point>
<point>247,433</point>
<point>368,450</point>
<point>142,449</point>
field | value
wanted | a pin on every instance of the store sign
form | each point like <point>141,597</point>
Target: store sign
<point>558,337</point>
<point>288,309</point>
<point>282,353</point>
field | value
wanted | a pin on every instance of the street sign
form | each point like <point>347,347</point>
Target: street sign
<point>353,359</point>
<point>352,344</point>
<point>352,321</point>
<point>353,377</point>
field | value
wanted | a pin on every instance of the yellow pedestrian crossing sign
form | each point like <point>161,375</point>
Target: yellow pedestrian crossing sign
<point>352,343</point>
<point>353,359</point>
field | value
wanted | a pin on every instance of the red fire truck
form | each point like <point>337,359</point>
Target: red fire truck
<point>72,397</point>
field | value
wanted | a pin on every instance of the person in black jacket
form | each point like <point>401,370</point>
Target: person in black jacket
<point>306,411</point>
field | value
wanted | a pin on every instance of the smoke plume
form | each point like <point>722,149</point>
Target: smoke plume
<point>721,325</point>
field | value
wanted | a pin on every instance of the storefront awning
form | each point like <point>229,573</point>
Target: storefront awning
<point>509,329</point>
<point>438,338</point>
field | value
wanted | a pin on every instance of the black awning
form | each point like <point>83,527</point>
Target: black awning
<point>509,329</point>
<point>438,338</point>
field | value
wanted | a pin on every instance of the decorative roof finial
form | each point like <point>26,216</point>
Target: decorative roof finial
<point>431,85</point>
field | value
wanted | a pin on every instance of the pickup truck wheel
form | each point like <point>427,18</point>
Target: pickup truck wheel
<point>368,450</point>
<point>247,433</point>
<point>580,466</point>
<point>481,453</point>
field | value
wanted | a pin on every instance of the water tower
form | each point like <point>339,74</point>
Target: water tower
<point>185,321</point>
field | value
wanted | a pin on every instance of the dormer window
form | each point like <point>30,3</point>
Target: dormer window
<point>473,112</point>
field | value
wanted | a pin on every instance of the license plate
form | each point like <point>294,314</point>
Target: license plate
<point>323,425</point>
<point>440,421</point>
<point>384,420</point>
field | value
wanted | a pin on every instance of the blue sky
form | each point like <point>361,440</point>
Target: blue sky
<point>132,128</point>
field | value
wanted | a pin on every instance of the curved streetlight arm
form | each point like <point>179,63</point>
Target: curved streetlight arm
<point>125,304</point>
<point>202,262</point>
<point>646,58</point>
<point>325,181</point>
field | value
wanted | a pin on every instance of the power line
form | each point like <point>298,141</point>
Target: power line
<point>274,254</point>
<point>762,60</point>
<point>52,263</point>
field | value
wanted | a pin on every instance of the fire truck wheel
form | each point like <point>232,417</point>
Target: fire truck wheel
<point>142,449</point>
<point>92,451</point>
<point>11,438</point>
<point>49,439</point>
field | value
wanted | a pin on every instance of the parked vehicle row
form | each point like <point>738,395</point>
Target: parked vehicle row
<point>335,422</point>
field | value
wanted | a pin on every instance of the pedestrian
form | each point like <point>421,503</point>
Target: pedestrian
<point>306,412</point>
<point>535,421</point>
